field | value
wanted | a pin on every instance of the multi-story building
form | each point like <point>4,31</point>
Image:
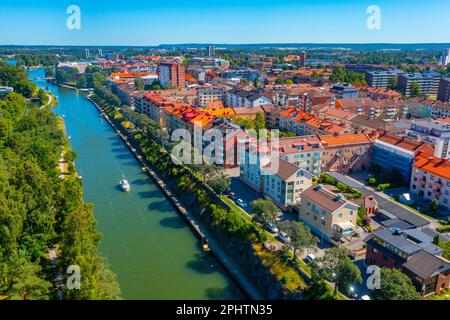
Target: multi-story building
<point>207,95</point>
<point>345,153</point>
<point>445,58</point>
<point>243,98</point>
<point>440,109</point>
<point>434,132</point>
<point>211,51</point>
<point>345,91</point>
<point>431,179</point>
<point>242,74</point>
<point>284,182</point>
<point>379,93</point>
<point>153,105</point>
<point>444,90</point>
<point>397,153</point>
<point>419,107</point>
<point>171,74</point>
<point>305,152</point>
<point>413,253</point>
<point>428,83</point>
<point>382,79</point>
<point>327,214</point>
<point>304,123</point>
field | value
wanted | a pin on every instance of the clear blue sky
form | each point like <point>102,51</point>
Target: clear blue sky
<point>152,22</point>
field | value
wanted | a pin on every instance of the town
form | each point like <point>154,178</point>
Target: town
<point>362,149</point>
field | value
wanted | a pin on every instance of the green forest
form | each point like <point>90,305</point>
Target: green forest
<point>39,210</point>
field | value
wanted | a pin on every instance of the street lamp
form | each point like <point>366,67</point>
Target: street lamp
<point>322,219</point>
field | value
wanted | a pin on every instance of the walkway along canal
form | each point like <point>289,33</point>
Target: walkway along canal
<point>148,245</point>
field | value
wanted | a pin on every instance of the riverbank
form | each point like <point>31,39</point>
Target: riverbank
<point>219,253</point>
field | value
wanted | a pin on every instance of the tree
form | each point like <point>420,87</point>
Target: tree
<point>337,266</point>
<point>220,184</point>
<point>434,205</point>
<point>393,83</point>
<point>82,81</point>
<point>265,211</point>
<point>301,236</point>
<point>414,89</point>
<point>394,285</point>
<point>139,83</point>
<point>318,289</point>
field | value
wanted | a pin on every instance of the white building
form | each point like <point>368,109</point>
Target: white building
<point>445,58</point>
<point>242,98</point>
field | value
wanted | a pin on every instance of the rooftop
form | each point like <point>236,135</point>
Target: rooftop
<point>324,198</point>
<point>425,265</point>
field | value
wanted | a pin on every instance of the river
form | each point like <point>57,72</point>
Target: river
<point>148,245</point>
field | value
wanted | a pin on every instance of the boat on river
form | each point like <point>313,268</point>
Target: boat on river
<point>124,184</point>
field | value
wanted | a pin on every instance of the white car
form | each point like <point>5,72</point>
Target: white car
<point>241,203</point>
<point>284,237</point>
<point>365,297</point>
<point>310,258</point>
<point>272,228</point>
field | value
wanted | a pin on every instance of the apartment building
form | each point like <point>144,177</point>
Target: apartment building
<point>242,74</point>
<point>305,152</point>
<point>207,95</point>
<point>397,153</point>
<point>284,182</point>
<point>419,107</point>
<point>379,93</point>
<point>171,74</point>
<point>374,109</point>
<point>345,153</point>
<point>153,105</point>
<point>304,123</point>
<point>444,90</point>
<point>242,98</point>
<point>327,214</point>
<point>430,179</point>
<point>434,132</point>
<point>344,91</point>
<point>440,110</point>
<point>428,83</point>
<point>383,78</point>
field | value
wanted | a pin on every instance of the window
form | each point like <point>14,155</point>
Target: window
<point>339,216</point>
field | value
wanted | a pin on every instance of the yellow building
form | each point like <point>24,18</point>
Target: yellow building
<point>327,214</point>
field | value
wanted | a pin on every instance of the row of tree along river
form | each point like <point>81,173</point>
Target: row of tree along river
<point>148,245</point>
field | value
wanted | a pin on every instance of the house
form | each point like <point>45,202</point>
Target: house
<point>284,182</point>
<point>428,273</point>
<point>412,252</point>
<point>242,98</point>
<point>327,214</point>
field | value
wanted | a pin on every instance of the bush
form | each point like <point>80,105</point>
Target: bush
<point>383,186</point>
<point>443,229</point>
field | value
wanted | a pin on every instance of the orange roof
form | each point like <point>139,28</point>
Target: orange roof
<point>221,112</point>
<point>344,139</point>
<point>437,166</point>
<point>129,74</point>
<point>406,143</point>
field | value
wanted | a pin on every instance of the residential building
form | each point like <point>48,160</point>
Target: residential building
<point>345,91</point>
<point>445,58</point>
<point>242,74</point>
<point>154,106</point>
<point>430,179</point>
<point>242,98</point>
<point>304,123</point>
<point>5,90</point>
<point>171,74</point>
<point>406,251</point>
<point>379,93</point>
<point>284,182</point>
<point>211,51</point>
<point>209,94</point>
<point>428,83</point>
<point>397,153</point>
<point>440,109</point>
<point>305,152</point>
<point>444,90</point>
<point>434,132</point>
<point>327,214</point>
<point>382,78</point>
<point>419,107</point>
<point>345,153</point>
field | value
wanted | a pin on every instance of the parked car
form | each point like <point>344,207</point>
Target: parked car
<point>241,203</point>
<point>310,258</point>
<point>365,297</point>
<point>284,237</point>
<point>272,228</point>
<point>232,195</point>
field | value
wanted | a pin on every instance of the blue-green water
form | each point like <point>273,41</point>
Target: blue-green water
<point>153,252</point>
